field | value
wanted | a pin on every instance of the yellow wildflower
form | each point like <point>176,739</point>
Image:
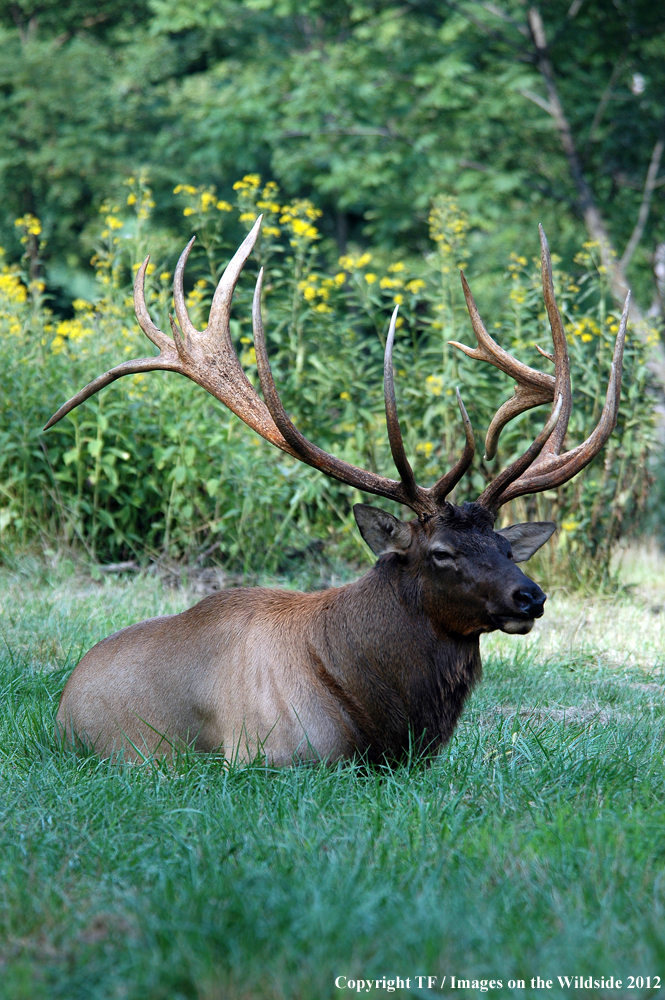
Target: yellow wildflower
<point>345,395</point>
<point>302,228</point>
<point>223,206</point>
<point>30,223</point>
<point>415,285</point>
<point>12,288</point>
<point>370,278</point>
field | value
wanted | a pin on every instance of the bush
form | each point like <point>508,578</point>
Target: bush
<point>153,466</point>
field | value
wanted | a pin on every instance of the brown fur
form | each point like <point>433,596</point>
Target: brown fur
<point>370,667</point>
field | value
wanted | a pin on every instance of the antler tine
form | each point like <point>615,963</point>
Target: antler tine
<point>310,453</point>
<point>447,483</point>
<point>160,363</point>
<point>152,332</point>
<point>166,360</point>
<point>220,309</point>
<point>558,469</point>
<point>186,324</point>
<point>533,387</point>
<point>492,496</point>
<point>561,362</point>
<point>392,421</point>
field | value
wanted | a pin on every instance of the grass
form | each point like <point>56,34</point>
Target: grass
<point>533,846</point>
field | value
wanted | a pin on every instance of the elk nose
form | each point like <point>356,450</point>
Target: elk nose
<point>530,600</point>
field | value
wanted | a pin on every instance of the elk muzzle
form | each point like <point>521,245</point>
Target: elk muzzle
<point>528,602</point>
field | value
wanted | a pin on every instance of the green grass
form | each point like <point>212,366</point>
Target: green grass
<point>534,845</point>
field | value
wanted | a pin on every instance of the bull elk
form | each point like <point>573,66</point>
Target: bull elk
<point>365,668</point>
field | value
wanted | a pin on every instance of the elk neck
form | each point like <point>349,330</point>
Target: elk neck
<point>395,676</point>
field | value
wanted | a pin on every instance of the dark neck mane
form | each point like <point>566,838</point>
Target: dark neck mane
<point>397,681</point>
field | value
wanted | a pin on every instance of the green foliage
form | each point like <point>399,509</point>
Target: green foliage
<point>371,107</point>
<point>154,466</point>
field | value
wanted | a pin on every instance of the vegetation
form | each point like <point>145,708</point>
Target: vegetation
<point>532,846</point>
<point>369,107</point>
<point>386,145</point>
<point>154,468</point>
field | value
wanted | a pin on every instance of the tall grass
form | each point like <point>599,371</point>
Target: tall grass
<point>531,846</point>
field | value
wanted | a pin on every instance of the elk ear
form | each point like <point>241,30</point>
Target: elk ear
<point>527,538</point>
<point>382,531</point>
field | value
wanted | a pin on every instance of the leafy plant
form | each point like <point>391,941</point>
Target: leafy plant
<point>155,467</point>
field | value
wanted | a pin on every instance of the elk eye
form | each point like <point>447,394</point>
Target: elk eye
<point>442,556</point>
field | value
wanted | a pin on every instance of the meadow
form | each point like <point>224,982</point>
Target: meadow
<point>532,846</point>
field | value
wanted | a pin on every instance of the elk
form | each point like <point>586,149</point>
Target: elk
<point>366,668</point>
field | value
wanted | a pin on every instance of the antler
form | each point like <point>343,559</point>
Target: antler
<point>208,358</point>
<point>421,500</point>
<point>542,468</point>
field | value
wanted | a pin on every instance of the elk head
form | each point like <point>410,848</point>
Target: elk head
<point>465,571</point>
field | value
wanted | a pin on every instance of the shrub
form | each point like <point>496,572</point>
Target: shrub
<point>154,466</point>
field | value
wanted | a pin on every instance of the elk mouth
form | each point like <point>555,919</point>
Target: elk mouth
<point>515,626</point>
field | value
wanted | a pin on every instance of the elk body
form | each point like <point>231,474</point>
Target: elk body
<point>366,668</point>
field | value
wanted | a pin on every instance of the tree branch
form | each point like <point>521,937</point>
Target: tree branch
<point>492,8</point>
<point>593,220</point>
<point>605,99</point>
<point>540,101</point>
<point>643,214</point>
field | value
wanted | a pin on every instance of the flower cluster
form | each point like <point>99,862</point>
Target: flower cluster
<point>201,202</point>
<point>314,288</point>
<point>351,263</point>
<point>253,200</point>
<point>30,225</point>
<point>391,283</point>
<point>448,228</point>
<point>195,300</point>
<point>13,295</point>
<point>298,218</point>
<point>586,328</point>
<point>140,196</point>
<point>69,331</point>
<point>434,384</point>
